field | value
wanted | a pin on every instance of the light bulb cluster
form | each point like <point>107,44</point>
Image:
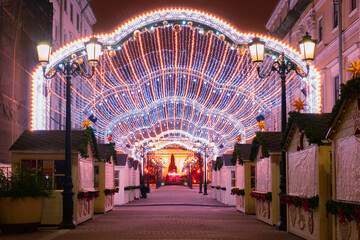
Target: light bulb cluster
<point>182,83</point>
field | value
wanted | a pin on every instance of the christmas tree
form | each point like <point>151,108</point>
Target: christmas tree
<point>172,167</point>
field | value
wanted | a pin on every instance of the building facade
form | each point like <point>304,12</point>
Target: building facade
<point>291,19</point>
<point>23,25</point>
<point>73,19</point>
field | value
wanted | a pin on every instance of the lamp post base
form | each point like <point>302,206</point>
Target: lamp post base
<point>67,225</point>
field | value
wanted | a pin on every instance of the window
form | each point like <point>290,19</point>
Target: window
<point>56,32</point>
<point>337,88</point>
<point>116,179</point>
<point>96,177</point>
<point>233,180</point>
<point>320,30</point>
<point>53,170</point>
<point>353,5</point>
<point>65,5</point>
<point>335,16</point>
<point>71,13</point>
<point>65,37</point>
<point>78,22</point>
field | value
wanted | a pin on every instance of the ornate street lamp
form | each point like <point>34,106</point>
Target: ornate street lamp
<point>196,148</point>
<point>206,148</point>
<point>69,68</point>
<point>283,67</point>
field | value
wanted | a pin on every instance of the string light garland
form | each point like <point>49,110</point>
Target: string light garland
<point>186,76</point>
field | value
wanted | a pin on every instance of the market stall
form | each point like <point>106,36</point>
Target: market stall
<point>308,175</point>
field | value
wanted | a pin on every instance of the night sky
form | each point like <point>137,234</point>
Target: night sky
<point>245,15</point>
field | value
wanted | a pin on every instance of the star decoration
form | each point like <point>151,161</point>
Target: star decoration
<point>299,105</point>
<point>86,123</point>
<point>110,138</point>
<point>354,68</point>
<point>238,139</point>
<point>261,125</point>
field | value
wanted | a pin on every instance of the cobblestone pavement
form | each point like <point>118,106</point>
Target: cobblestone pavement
<point>171,212</point>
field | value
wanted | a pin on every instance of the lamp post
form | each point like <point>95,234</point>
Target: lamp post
<point>206,149</point>
<point>69,68</point>
<point>142,149</point>
<point>197,146</point>
<point>283,67</point>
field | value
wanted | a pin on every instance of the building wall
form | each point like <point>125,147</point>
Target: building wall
<point>23,24</point>
<point>73,19</point>
<point>327,51</point>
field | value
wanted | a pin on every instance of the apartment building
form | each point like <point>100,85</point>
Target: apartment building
<point>73,19</point>
<point>291,19</point>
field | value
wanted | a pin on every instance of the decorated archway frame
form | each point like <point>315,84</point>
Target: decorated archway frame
<point>40,105</point>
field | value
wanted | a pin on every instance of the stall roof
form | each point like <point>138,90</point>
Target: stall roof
<point>47,141</point>
<point>227,160</point>
<point>122,159</point>
<point>104,149</point>
<point>244,150</point>
<point>131,162</point>
<point>269,141</point>
<point>350,89</point>
<point>315,126</point>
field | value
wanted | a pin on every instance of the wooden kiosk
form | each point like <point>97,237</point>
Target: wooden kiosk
<point>265,152</point>
<point>227,180</point>
<point>45,151</point>
<point>245,178</point>
<point>308,175</point>
<point>121,177</point>
<point>104,178</point>
<point>344,134</point>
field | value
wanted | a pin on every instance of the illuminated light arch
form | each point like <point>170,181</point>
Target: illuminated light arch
<point>193,67</point>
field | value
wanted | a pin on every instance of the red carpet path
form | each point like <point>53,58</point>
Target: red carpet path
<point>171,212</point>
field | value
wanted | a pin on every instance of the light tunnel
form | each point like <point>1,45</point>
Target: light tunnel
<point>173,72</point>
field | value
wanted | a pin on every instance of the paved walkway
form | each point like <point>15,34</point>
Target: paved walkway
<point>177,195</point>
<point>171,212</point>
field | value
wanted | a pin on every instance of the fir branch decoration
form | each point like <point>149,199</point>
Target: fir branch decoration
<point>348,210</point>
<point>89,135</point>
<point>237,191</point>
<point>261,196</point>
<point>111,191</point>
<point>236,155</point>
<point>312,134</point>
<point>258,141</point>
<point>347,91</point>
<point>112,152</point>
<point>218,163</point>
<point>307,203</point>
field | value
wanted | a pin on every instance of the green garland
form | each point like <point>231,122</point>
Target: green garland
<point>223,188</point>
<point>261,196</point>
<point>312,135</point>
<point>132,187</point>
<point>217,187</point>
<point>111,191</point>
<point>237,191</point>
<point>347,91</point>
<point>89,195</point>
<point>88,135</point>
<point>111,152</point>
<point>258,141</point>
<point>236,155</point>
<point>348,210</point>
<point>218,164</point>
<point>307,203</point>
